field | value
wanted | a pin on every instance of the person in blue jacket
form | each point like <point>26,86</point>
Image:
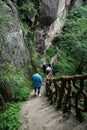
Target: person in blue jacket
<point>37,82</point>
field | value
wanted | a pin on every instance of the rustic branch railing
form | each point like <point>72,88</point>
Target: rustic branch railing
<point>68,92</point>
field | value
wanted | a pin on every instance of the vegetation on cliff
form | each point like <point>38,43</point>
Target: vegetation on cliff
<point>15,86</point>
<point>11,78</point>
<point>73,58</point>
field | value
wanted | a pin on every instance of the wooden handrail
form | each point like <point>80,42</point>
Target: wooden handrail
<point>67,92</point>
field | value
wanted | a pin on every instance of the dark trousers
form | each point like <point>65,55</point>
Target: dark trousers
<point>37,89</point>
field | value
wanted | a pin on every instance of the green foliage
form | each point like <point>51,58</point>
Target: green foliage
<point>28,10</point>
<point>15,88</point>
<point>14,84</point>
<point>80,12</point>
<point>30,40</point>
<point>25,28</point>
<point>9,117</point>
<point>28,6</point>
<point>33,53</point>
<point>33,3</point>
<point>65,65</point>
<point>50,52</point>
<point>4,17</point>
<point>74,36</point>
<point>22,94</point>
<point>85,115</point>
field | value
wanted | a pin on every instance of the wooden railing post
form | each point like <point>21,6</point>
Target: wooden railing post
<point>67,93</point>
<point>61,93</point>
<point>85,103</point>
<point>67,106</point>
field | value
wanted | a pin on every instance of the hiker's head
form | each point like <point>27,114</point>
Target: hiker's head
<point>37,71</point>
<point>44,63</point>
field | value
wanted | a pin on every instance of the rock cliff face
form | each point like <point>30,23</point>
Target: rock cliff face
<point>52,14</point>
<point>48,12</point>
<point>12,47</point>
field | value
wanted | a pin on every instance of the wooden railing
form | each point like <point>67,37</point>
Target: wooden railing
<point>68,92</point>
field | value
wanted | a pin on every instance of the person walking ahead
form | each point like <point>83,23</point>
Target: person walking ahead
<point>48,69</point>
<point>36,82</point>
<point>44,67</point>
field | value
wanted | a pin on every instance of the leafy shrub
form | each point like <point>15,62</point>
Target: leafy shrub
<point>14,84</point>
<point>14,87</point>
<point>74,36</point>
<point>22,94</point>
<point>29,6</point>
<point>9,117</point>
<point>65,65</point>
<point>50,52</point>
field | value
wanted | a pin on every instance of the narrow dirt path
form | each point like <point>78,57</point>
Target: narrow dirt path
<point>38,114</point>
